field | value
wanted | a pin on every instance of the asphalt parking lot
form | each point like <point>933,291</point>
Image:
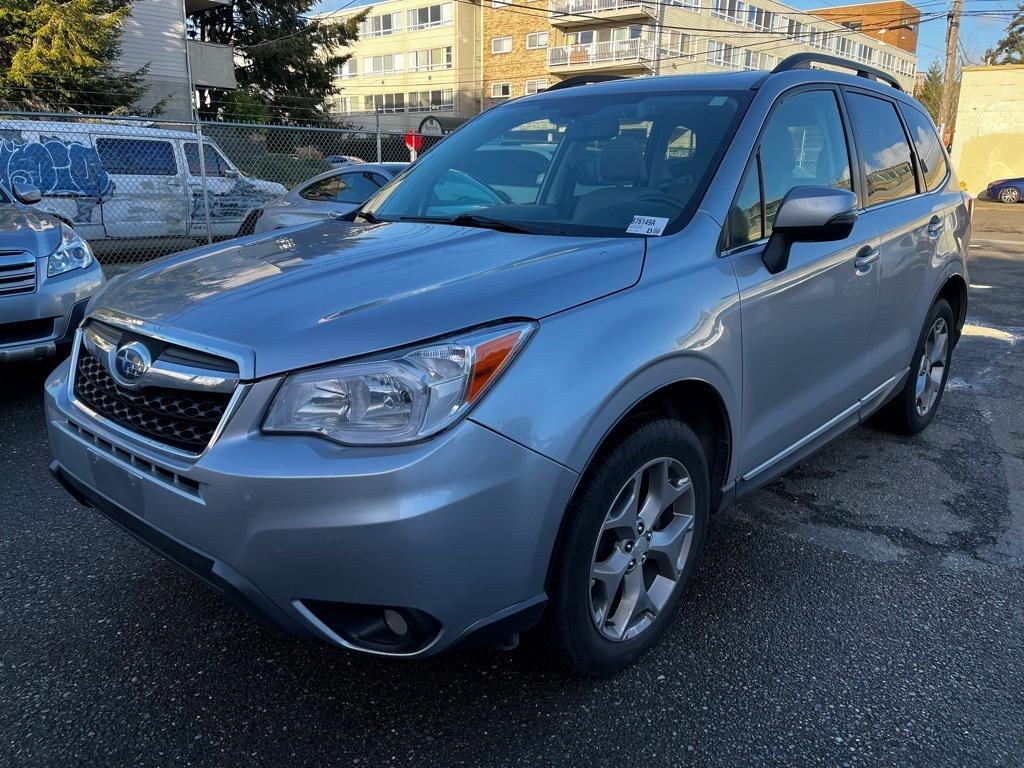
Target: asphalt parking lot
<point>865,609</point>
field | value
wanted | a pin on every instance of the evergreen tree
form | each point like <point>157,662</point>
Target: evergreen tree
<point>56,55</point>
<point>930,92</point>
<point>1010,50</point>
<point>285,57</point>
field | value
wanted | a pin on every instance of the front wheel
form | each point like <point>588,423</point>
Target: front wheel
<point>1009,195</point>
<point>914,407</point>
<point>632,537</point>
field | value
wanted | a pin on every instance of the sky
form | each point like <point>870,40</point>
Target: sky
<point>977,33</point>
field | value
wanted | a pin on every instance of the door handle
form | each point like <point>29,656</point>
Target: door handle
<point>865,257</point>
<point>935,227</point>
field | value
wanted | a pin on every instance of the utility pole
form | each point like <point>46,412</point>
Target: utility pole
<point>948,84</point>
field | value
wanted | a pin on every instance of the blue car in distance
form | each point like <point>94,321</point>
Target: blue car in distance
<point>1007,190</point>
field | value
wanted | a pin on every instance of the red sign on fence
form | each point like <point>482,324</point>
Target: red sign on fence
<point>413,141</point>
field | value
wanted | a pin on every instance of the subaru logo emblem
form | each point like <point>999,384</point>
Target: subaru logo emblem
<point>129,364</point>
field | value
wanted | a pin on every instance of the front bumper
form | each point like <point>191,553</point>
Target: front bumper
<point>459,529</point>
<point>61,299</point>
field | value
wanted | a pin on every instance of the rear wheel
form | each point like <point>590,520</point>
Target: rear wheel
<point>632,538</point>
<point>1010,195</point>
<point>914,407</point>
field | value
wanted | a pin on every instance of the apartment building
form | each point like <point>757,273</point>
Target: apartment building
<point>528,45</point>
<point>895,22</point>
<point>154,36</point>
<point>416,66</point>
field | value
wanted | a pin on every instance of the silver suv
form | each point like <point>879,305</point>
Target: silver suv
<point>488,403</point>
<point>47,276</point>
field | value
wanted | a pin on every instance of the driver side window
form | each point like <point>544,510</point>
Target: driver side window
<point>803,144</point>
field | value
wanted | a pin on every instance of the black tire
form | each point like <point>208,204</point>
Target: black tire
<point>901,413</point>
<point>575,640</point>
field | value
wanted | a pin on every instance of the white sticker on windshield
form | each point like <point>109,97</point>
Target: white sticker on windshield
<point>647,225</point>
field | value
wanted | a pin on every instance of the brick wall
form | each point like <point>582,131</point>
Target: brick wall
<point>873,16</point>
<point>519,65</point>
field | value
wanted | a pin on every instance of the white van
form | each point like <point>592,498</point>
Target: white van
<point>113,182</point>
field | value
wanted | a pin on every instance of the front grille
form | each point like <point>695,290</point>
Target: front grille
<point>182,419</point>
<point>17,273</point>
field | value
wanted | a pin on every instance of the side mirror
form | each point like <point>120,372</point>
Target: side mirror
<point>26,193</point>
<point>809,215</point>
<point>230,173</point>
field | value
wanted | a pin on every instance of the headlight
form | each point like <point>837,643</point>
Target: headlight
<point>72,253</point>
<point>399,398</point>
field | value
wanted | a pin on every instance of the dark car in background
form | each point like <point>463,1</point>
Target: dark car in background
<point>1006,190</point>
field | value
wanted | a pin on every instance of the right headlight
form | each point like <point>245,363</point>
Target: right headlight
<point>398,398</point>
<point>72,253</point>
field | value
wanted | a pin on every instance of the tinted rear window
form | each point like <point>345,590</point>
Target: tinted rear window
<point>885,151</point>
<point>140,157</point>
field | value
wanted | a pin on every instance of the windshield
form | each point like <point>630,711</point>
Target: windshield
<point>572,164</point>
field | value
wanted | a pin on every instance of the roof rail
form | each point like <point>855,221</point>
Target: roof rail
<point>804,61</point>
<point>572,82</point>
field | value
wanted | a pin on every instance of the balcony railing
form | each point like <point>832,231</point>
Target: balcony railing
<point>637,51</point>
<point>562,8</point>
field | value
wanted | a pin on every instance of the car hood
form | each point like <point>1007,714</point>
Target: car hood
<point>22,229</point>
<point>332,290</point>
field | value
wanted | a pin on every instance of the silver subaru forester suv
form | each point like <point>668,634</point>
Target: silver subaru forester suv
<point>500,399</point>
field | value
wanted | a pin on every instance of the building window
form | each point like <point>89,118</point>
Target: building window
<point>760,19</point>
<point>854,25</point>
<point>758,60</point>
<point>501,45</point>
<point>499,3</point>
<point>346,69</point>
<point>536,40</point>
<point>385,102</point>
<point>385,24</point>
<point>387,64</point>
<point>724,55</point>
<point>430,101</point>
<point>429,16</point>
<point>820,39</point>
<point>797,30</point>
<point>343,105</point>
<point>730,10</point>
<point>534,86</point>
<point>674,43</point>
<point>501,90</point>
<point>430,59</point>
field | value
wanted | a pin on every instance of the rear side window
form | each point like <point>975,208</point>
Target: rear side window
<point>929,150</point>
<point>138,157</point>
<point>885,151</point>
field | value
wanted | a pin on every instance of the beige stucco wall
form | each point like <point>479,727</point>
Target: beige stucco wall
<point>989,139</point>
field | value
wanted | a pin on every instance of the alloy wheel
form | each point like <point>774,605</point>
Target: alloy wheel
<point>932,367</point>
<point>642,549</point>
<point>1009,195</point>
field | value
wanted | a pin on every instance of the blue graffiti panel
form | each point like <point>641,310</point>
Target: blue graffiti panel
<point>57,166</point>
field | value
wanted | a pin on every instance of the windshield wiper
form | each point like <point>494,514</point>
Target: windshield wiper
<point>482,222</point>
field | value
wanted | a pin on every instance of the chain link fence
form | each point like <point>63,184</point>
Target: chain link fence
<point>137,189</point>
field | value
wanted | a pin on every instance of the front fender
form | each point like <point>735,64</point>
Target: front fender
<point>585,368</point>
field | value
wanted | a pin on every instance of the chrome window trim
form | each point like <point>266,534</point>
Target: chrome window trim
<point>135,437</point>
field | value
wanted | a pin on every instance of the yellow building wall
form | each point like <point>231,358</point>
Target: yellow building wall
<point>989,140</point>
